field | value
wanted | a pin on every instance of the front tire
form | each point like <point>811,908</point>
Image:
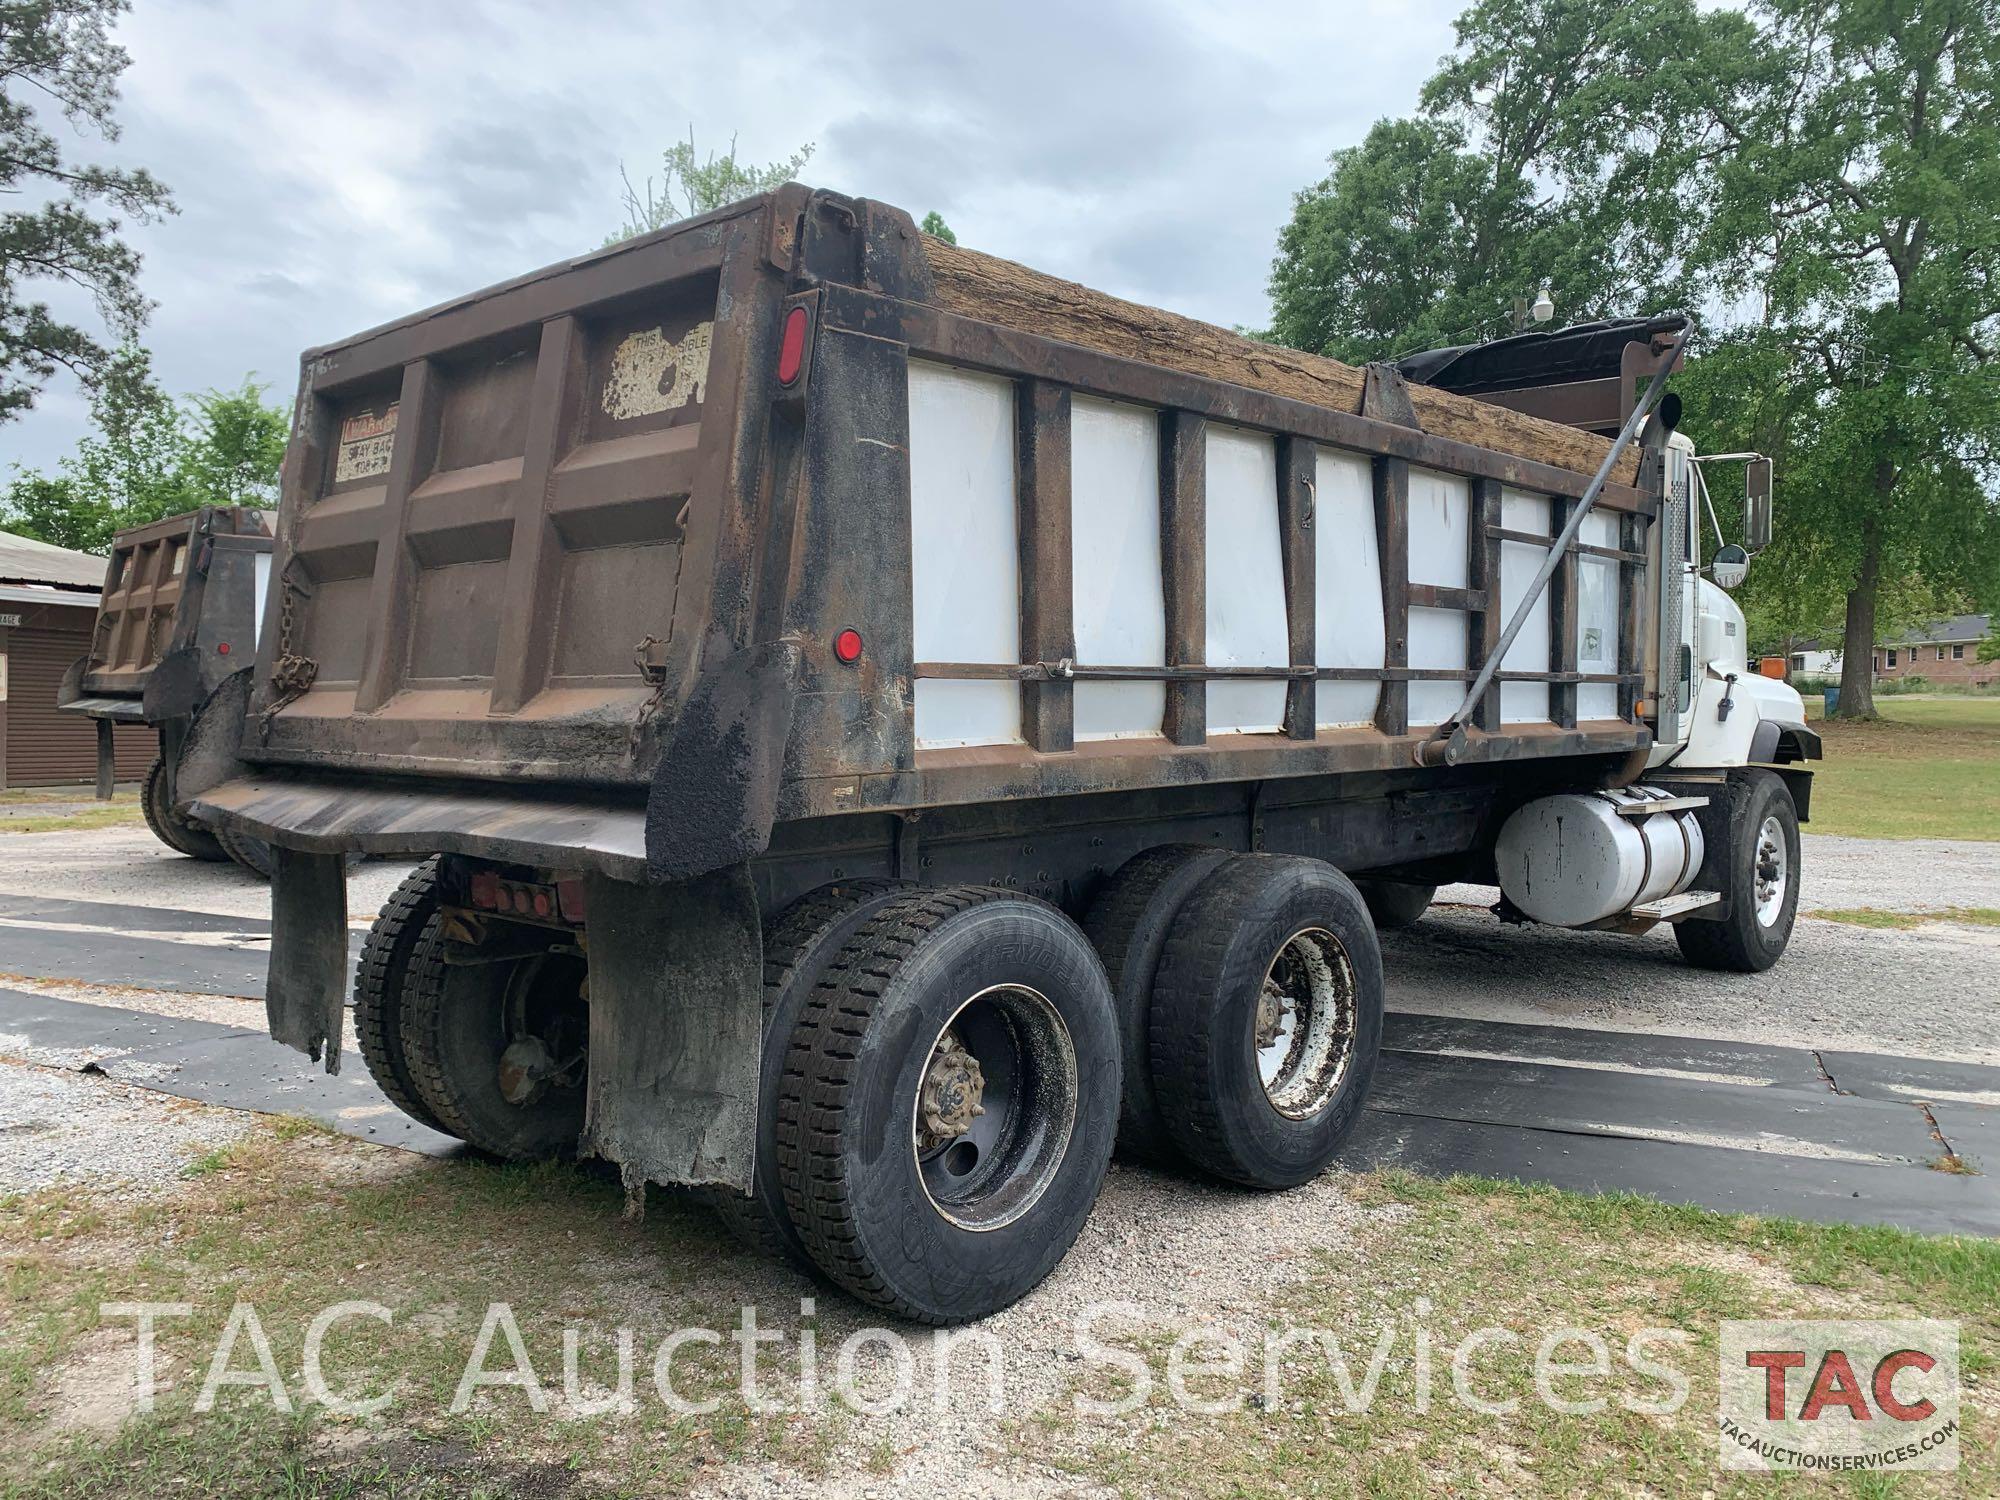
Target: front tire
<point>1267,1020</point>
<point>949,1103</point>
<point>1396,904</point>
<point>1763,883</point>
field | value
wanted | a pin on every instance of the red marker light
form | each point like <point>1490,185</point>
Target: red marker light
<point>222,648</point>
<point>792,348</point>
<point>847,646</point>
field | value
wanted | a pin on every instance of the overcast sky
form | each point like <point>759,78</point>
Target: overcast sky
<point>337,165</point>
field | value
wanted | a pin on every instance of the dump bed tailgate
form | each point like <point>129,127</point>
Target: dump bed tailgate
<point>493,510</point>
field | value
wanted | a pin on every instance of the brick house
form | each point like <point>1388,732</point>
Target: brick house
<point>1946,651</point>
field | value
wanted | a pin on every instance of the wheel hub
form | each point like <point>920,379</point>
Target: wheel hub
<point>953,1087</point>
<point>1273,1006</point>
<point>1769,873</point>
<point>526,1068</point>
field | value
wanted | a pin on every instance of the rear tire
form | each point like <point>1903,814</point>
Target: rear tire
<point>247,850</point>
<point>926,1186</point>
<point>254,854</point>
<point>380,980</point>
<point>1267,1020</point>
<point>169,827</point>
<point>1395,904</point>
<point>464,1023</point>
<point>804,941</point>
<point>1763,883</point>
<point>1128,924</point>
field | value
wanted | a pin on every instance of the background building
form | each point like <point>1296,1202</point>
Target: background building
<point>1946,651</point>
<point>48,606</point>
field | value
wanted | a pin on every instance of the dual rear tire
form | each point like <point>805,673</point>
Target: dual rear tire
<point>493,1052</point>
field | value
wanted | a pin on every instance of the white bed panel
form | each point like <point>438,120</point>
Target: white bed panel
<point>1440,511</point>
<point>1246,580</point>
<point>1115,558</point>
<point>1597,618</point>
<point>1521,511</point>
<point>1524,702</point>
<point>1347,629</point>
<point>1437,639</point>
<point>965,560</point>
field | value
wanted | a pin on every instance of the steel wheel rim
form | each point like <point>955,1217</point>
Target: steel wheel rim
<point>1303,1029</point>
<point>1771,870</point>
<point>982,1171</point>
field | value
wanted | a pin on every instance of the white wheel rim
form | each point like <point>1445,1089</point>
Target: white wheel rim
<point>1304,1051</point>
<point>1771,871</point>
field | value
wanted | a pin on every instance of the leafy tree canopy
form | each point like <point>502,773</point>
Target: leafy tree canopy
<point>1819,179</point>
<point>147,457</point>
<point>56,56</point>
<point>934,224</point>
<point>691,184</point>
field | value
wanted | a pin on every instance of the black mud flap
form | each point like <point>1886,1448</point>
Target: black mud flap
<point>676,1028</point>
<point>176,687</point>
<point>305,997</point>
<point>715,789</point>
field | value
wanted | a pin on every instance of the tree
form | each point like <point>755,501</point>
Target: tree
<point>1821,176</point>
<point>58,53</point>
<point>934,224</point>
<point>690,186</point>
<point>1557,144</point>
<point>1860,203</point>
<point>236,447</point>
<point>147,457</point>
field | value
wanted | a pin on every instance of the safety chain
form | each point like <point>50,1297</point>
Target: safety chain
<point>291,673</point>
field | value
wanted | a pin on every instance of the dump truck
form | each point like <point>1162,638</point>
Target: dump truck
<point>882,724</point>
<point>183,598</point>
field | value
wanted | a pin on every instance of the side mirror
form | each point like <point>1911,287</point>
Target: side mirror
<point>1730,567</point>
<point>1757,504</point>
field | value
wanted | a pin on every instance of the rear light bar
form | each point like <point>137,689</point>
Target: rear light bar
<point>558,902</point>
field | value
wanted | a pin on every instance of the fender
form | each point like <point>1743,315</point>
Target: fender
<point>714,795</point>
<point>1775,742</point>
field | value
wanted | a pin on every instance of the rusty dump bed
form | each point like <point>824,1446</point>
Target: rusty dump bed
<point>180,588</point>
<point>596,533</point>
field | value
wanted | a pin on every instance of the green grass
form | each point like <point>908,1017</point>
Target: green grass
<point>1531,1259</point>
<point>93,817</point>
<point>79,810</point>
<point>291,1219</point>
<point>1928,768</point>
<point>1870,916</point>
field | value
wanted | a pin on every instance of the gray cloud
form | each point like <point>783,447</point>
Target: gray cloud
<point>337,166</point>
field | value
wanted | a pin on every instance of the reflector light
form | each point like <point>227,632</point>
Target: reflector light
<point>222,648</point>
<point>792,348</point>
<point>485,889</point>
<point>847,646</point>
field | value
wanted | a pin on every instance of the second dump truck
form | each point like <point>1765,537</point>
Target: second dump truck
<point>883,723</point>
<point>183,597</point>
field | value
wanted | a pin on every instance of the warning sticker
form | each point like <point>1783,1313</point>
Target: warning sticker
<point>653,373</point>
<point>367,441</point>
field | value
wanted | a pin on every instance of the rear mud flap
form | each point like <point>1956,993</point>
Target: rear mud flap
<point>715,790</point>
<point>676,1028</point>
<point>305,996</point>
